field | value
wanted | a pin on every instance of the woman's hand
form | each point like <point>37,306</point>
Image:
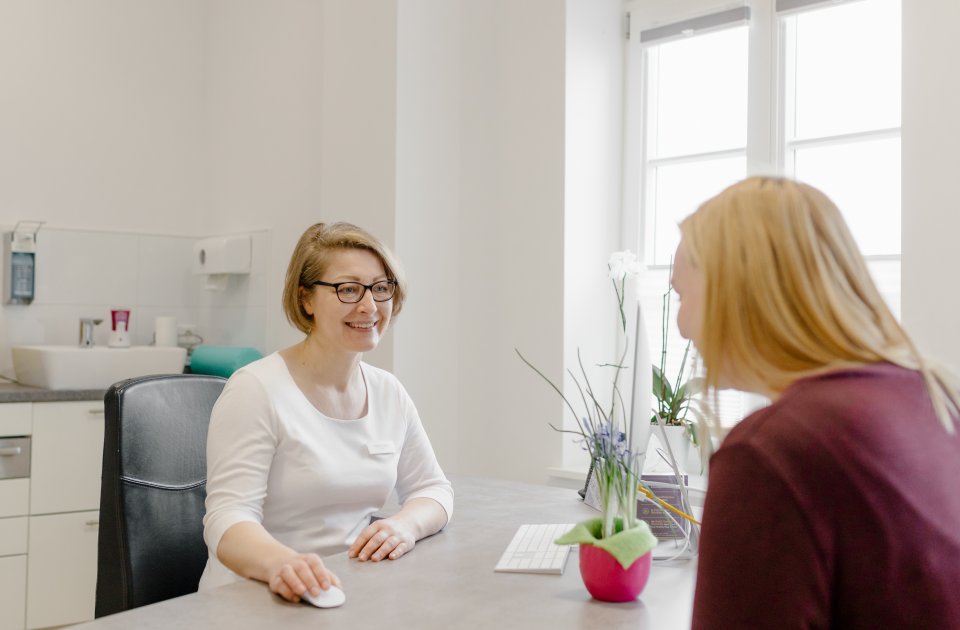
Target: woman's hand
<point>386,538</point>
<point>294,575</point>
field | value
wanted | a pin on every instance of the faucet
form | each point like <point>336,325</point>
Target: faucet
<point>86,331</point>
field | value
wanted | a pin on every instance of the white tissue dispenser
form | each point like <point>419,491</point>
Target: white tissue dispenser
<point>219,256</point>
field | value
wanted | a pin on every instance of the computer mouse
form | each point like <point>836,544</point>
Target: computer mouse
<point>330,598</point>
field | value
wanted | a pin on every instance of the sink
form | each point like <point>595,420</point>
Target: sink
<point>73,367</point>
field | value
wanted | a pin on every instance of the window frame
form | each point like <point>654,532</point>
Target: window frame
<point>768,150</point>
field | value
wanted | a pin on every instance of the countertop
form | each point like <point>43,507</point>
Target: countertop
<point>14,392</point>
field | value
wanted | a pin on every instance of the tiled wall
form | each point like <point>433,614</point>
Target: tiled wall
<point>86,274</point>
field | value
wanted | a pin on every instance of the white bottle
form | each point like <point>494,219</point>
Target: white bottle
<point>119,338</point>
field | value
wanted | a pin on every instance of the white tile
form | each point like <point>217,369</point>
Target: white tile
<point>232,326</point>
<point>76,267</point>
<point>164,271</point>
<point>143,328</point>
<point>85,274</point>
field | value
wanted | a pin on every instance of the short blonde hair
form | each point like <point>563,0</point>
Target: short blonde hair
<point>310,260</point>
<point>789,294</point>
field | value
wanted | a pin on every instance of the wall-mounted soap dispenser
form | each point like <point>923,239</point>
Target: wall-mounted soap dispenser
<point>220,256</point>
<point>20,262</point>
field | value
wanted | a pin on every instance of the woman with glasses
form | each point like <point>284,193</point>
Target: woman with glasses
<point>307,443</point>
<point>836,506</point>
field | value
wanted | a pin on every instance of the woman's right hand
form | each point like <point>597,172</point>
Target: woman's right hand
<point>294,575</point>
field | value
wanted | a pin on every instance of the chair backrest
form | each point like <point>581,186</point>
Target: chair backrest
<point>153,488</point>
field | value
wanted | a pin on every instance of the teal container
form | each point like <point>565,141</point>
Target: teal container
<point>221,360</point>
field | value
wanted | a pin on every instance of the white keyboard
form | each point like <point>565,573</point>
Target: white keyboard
<point>532,550</point>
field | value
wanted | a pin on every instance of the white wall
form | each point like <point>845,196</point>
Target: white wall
<point>931,215</point>
<point>511,234</point>
<point>102,136</point>
<point>100,114</point>
<point>592,183</point>
<point>300,108</point>
<point>427,333</point>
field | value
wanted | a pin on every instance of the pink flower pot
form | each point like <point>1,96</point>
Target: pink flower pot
<point>606,580</point>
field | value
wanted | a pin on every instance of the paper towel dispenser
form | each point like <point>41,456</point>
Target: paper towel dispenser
<point>221,255</point>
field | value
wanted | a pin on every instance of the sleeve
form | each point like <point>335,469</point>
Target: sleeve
<point>241,442</point>
<point>418,471</point>
<point>759,563</point>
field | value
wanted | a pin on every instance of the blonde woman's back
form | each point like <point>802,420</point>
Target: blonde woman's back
<point>835,507</point>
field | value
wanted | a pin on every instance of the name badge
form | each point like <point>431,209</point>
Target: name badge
<point>380,448</point>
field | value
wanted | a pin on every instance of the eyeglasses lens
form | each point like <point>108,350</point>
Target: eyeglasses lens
<point>351,292</point>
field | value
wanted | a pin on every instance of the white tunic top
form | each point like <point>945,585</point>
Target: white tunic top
<point>312,481</point>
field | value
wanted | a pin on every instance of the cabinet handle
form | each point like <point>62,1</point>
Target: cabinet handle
<point>7,451</point>
<point>92,523</point>
<point>95,412</point>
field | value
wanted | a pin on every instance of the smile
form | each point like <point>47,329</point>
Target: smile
<point>362,325</point>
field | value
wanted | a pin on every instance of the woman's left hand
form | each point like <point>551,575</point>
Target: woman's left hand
<point>385,538</point>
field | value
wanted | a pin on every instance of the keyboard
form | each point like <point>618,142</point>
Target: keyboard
<point>532,550</point>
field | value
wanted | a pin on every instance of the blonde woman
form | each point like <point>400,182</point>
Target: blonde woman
<point>307,443</point>
<point>837,506</point>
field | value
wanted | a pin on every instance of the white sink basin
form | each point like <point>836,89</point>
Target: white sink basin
<point>73,367</point>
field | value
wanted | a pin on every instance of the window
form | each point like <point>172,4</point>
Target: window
<point>804,88</point>
<point>695,124</point>
<point>841,114</point>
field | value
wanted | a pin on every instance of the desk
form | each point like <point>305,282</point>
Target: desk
<point>447,581</point>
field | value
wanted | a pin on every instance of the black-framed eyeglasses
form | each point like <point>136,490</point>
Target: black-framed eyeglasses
<point>353,292</point>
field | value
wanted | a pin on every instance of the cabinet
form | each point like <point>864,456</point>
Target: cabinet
<point>13,577</point>
<point>64,512</point>
<point>62,576</point>
<point>15,422</point>
<point>49,520</point>
<point>67,457</point>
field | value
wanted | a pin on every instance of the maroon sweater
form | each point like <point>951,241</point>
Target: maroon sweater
<point>838,506</point>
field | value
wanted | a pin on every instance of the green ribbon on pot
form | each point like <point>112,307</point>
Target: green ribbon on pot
<point>625,545</point>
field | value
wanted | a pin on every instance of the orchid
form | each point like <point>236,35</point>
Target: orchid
<point>623,264</point>
<point>604,431</point>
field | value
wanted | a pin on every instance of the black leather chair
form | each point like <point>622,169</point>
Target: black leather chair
<point>153,488</point>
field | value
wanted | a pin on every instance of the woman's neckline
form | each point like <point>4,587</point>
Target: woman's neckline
<point>306,399</point>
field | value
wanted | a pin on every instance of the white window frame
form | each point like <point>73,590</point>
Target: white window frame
<point>768,150</point>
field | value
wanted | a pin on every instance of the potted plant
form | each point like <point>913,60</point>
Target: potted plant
<point>615,549</point>
<point>674,403</point>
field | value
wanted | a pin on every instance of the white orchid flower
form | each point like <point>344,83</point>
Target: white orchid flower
<point>622,264</point>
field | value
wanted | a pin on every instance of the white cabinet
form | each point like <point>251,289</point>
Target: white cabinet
<point>15,421</point>
<point>62,569</point>
<point>13,579</point>
<point>49,521</point>
<point>67,457</point>
<point>64,512</point>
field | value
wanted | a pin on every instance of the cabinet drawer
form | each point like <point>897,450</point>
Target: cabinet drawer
<point>13,536</point>
<point>13,591</point>
<point>67,457</point>
<point>62,564</point>
<point>14,457</point>
<point>14,497</point>
<point>15,418</point>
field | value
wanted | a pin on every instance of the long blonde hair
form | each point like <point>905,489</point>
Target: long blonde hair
<point>789,294</point>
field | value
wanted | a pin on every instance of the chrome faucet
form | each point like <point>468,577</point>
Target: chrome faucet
<point>86,331</point>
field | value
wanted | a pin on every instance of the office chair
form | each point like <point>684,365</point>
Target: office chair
<point>152,490</point>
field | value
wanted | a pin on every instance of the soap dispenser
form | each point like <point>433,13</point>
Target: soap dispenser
<point>120,338</point>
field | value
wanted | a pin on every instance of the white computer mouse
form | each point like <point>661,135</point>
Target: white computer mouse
<point>330,598</point>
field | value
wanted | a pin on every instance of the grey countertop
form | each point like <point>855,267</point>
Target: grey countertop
<point>14,392</point>
<point>447,581</point>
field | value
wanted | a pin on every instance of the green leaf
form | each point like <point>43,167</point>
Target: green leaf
<point>661,387</point>
<point>695,386</point>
